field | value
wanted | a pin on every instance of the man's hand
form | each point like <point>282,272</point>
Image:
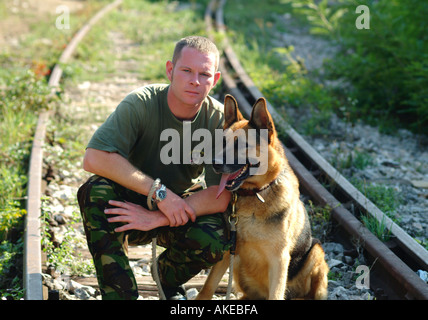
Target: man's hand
<point>176,210</point>
<point>135,216</point>
<point>173,210</point>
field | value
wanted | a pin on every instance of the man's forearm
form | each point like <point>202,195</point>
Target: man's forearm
<point>115,167</point>
<point>205,202</point>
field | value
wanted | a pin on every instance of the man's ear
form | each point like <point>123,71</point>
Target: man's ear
<point>169,69</point>
<point>231,111</point>
<point>217,76</point>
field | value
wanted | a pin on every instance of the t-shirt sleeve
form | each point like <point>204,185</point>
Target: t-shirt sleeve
<point>121,130</point>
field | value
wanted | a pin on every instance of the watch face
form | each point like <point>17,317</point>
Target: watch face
<point>162,194</point>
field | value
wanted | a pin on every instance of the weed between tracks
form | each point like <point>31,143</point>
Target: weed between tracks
<point>320,220</point>
<point>62,253</point>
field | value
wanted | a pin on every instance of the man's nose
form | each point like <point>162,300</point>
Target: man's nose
<point>195,80</point>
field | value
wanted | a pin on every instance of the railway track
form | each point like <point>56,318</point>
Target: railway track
<point>392,273</point>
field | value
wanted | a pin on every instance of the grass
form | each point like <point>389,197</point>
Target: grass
<point>379,228</point>
<point>387,199</point>
<point>319,217</point>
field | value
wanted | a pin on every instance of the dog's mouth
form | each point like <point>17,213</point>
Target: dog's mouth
<point>232,181</point>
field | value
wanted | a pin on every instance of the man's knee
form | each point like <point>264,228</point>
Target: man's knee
<point>96,189</point>
<point>212,238</point>
<point>93,197</point>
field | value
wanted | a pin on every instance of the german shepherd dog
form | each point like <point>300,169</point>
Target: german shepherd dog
<point>276,257</point>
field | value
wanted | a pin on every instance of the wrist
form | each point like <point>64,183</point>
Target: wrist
<point>156,194</point>
<point>159,219</point>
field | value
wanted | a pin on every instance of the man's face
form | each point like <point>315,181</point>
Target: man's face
<point>193,76</point>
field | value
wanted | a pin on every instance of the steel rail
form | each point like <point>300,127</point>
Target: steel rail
<point>401,280</point>
<point>32,265</point>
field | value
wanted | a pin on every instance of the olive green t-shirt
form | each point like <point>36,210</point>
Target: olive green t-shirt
<point>134,131</point>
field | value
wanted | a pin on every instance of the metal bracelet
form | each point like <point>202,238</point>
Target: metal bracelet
<point>155,185</point>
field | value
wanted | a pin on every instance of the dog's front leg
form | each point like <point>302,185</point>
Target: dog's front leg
<point>214,278</point>
<point>278,271</point>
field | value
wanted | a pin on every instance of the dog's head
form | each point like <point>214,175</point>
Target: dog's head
<point>249,158</point>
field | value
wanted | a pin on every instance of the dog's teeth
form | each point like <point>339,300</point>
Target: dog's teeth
<point>243,170</point>
<point>231,183</point>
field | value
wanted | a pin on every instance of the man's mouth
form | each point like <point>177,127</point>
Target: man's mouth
<point>232,181</point>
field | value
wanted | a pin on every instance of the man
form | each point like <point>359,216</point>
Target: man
<point>124,156</point>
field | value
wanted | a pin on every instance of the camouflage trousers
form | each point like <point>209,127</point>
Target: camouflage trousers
<point>189,248</point>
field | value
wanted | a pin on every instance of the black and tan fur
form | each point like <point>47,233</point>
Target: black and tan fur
<point>276,256</point>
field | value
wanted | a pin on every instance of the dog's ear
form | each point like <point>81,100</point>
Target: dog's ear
<point>261,118</point>
<point>231,111</point>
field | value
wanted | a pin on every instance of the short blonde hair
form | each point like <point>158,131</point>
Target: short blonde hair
<point>202,44</point>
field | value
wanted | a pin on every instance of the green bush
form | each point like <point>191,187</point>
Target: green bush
<point>386,66</point>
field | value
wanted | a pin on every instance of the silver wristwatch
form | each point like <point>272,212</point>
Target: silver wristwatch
<point>160,193</point>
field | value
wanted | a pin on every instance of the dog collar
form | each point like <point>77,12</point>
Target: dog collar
<point>253,192</point>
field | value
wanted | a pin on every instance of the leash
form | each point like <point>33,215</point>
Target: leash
<point>233,220</point>
<point>155,271</point>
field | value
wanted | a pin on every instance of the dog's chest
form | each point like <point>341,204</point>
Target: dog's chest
<point>254,223</point>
